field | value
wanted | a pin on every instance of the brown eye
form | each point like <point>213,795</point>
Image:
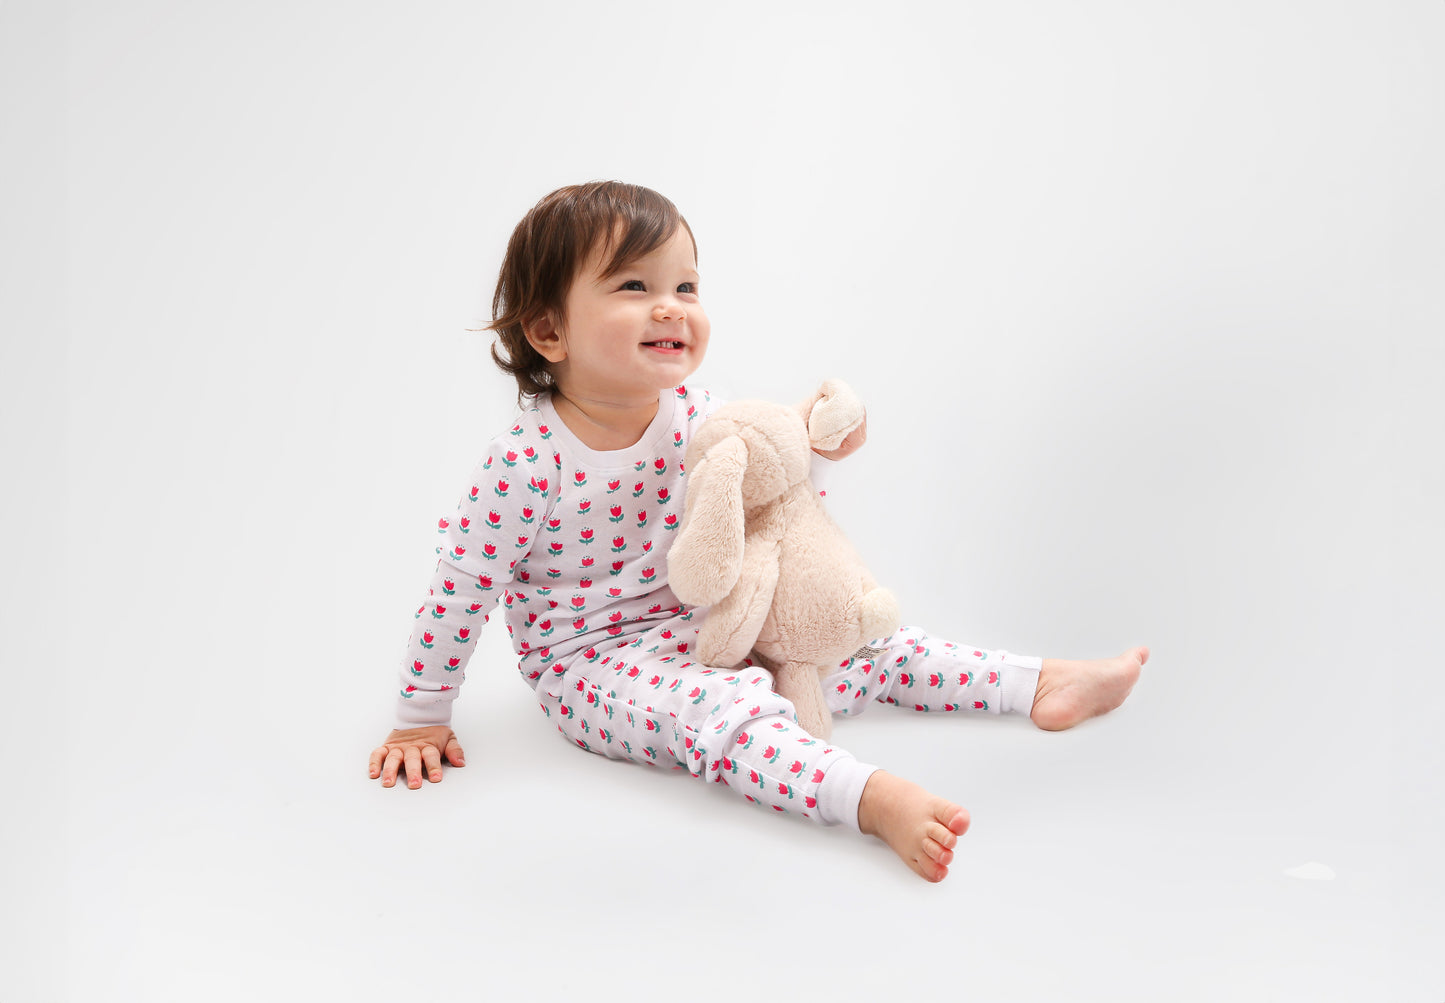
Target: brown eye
<point>688,287</point>
<point>634,285</point>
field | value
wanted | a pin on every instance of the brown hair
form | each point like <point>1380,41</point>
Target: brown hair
<point>549,247</point>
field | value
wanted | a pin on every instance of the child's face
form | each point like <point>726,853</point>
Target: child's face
<point>640,330</point>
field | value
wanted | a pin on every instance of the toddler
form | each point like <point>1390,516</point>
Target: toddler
<point>567,520</point>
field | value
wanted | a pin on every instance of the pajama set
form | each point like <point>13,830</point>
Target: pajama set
<point>573,543</point>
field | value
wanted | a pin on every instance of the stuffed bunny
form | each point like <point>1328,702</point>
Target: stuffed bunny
<point>757,547</point>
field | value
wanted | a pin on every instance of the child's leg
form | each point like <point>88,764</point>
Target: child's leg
<point>914,670</point>
<point>927,673</point>
<point>727,726</point>
<point>730,727</point>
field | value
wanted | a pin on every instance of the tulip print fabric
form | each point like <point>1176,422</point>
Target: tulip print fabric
<point>920,672</point>
<point>572,544</point>
<point>570,541</point>
<point>646,701</point>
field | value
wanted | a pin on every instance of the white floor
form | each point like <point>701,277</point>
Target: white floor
<point>1145,303</point>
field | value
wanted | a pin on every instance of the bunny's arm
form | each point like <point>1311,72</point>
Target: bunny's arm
<point>707,555</point>
<point>732,626</point>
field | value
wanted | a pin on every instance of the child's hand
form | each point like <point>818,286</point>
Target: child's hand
<point>417,748</point>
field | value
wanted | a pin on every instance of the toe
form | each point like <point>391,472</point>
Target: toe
<point>941,834</point>
<point>932,870</point>
<point>953,818</point>
<point>938,853</point>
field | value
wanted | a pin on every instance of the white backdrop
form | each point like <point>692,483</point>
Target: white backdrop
<point>1144,297</point>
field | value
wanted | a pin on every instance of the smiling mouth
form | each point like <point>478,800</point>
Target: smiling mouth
<point>663,344</point>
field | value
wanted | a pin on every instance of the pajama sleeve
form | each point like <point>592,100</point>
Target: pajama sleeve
<point>821,473</point>
<point>480,546</point>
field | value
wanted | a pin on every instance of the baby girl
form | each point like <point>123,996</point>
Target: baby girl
<point>567,521</point>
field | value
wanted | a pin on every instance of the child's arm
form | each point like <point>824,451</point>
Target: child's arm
<point>480,547</point>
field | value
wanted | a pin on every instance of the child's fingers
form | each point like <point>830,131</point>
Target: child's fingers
<point>455,756</point>
<point>432,760</point>
<point>388,771</point>
<point>413,766</point>
<point>373,765</point>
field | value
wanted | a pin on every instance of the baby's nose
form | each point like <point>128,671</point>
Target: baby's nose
<point>668,311</point>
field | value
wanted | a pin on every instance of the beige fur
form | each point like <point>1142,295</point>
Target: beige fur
<point>757,547</point>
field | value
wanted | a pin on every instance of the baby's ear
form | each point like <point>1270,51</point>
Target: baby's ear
<point>831,413</point>
<point>544,334</point>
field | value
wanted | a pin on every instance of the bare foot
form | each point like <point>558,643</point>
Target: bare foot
<point>1071,692</point>
<point>922,828</point>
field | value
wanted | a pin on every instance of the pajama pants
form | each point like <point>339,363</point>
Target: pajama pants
<point>644,699</point>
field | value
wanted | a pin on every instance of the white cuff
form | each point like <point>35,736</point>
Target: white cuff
<point>1019,683</point>
<point>842,790</point>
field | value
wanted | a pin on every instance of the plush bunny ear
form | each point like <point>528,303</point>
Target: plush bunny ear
<point>831,413</point>
<point>706,558</point>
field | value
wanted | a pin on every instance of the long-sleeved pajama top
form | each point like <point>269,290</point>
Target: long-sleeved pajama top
<point>571,541</point>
